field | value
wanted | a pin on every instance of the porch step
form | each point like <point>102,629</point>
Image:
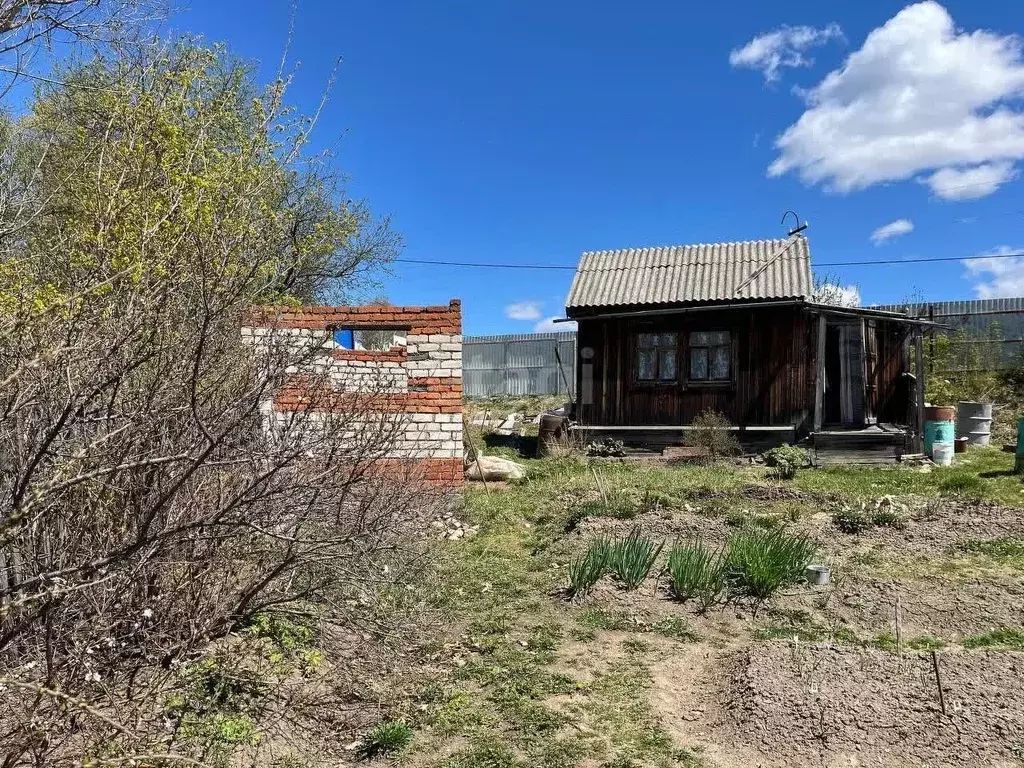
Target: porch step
<point>872,446</point>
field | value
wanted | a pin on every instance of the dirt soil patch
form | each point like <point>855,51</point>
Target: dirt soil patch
<point>850,706</point>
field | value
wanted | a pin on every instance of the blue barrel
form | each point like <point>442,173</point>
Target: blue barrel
<point>938,427</point>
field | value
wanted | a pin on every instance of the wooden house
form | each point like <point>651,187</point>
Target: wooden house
<point>668,333</point>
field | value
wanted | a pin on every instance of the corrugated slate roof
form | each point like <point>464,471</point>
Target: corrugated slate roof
<point>755,269</point>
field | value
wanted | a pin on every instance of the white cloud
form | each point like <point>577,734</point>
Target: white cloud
<point>969,183</point>
<point>891,230</point>
<point>919,96</point>
<point>785,47</point>
<point>548,325</point>
<point>523,310</point>
<point>995,278</point>
<point>836,295</point>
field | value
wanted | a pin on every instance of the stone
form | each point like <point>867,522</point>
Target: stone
<point>495,468</point>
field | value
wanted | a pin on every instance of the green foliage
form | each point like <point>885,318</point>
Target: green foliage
<point>786,460</point>
<point>1003,637</point>
<point>385,738</point>
<point>962,484</point>
<point>218,706</point>
<point>632,558</point>
<point>758,563</point>
<point>587,569</point>
<point>696,573</point>
<point>964,365</point>
<point>607,447</point>
<point>887,517</point>
<point>712,432</point>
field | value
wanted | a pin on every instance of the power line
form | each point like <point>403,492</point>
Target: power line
<point>876,262</point>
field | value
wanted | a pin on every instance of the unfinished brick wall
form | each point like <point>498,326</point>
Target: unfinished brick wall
<point>418,381</point>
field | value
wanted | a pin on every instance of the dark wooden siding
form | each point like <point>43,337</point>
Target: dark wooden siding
<point>772,369</point>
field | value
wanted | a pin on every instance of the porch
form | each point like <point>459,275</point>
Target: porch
<point>876,444</point>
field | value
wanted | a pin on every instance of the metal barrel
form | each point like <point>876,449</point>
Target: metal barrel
<point>974,421</point>
<point>937,432</point>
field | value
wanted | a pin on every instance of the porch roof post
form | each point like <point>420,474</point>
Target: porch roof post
<point>819,375</point>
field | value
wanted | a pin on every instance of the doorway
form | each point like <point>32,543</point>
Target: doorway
<point>844,375</point>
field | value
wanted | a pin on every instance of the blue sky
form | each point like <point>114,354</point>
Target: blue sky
<point>528,132</point>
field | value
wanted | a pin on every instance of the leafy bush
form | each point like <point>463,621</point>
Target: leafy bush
<point>712,432</point>
<point>786,460</point>
<point>695,573</point>
<point>757,562</point>
<point>607,447</point>
<point>386,738</point>
<point>586,570</point>
<point>632,558</point>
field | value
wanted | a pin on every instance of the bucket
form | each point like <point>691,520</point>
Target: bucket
<point>974,421</point>
<point>553,435</point>
<point>937,432</point>
<point>942,454</point>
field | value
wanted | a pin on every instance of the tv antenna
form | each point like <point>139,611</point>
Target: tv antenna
<point>799,227</point>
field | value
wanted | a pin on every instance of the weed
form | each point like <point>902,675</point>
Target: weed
<point>695,573</point>
<point>1008,550</point>
<point>484,753</point>
<point>970,486</point>
<point>926,643</point>
<point>758,563</point>
<point>851,521</point>
<point>596,618</point>
<point>1003,637</point>
<point>887,518</point>
<point>586,570</point>
<point>632,558</point>
<point>635,645</point>
<point>786,460</point>
<point>607,447</point>
<point>385,738</point>
<point>675,627</point>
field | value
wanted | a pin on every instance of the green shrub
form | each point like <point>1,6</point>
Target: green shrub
<point>712,432</point>
<point>851,521</point>
<point>786,460</point>
<point>695,573</point>
<point>970,486</point>
<point>587,569</point>
<point>758,563</point>
<point>385,738</point>
<point>632,558</point>
<point>607,447</point>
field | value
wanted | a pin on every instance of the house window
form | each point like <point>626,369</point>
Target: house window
<point>656,357</point>
<point>710,356</point>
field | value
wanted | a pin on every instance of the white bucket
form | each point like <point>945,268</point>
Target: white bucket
<point>942,454</point>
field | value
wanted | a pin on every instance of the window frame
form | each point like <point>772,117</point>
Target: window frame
<point>730,347</point>
<point>657,381</point>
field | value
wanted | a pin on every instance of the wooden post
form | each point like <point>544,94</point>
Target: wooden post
<point>938,681</point>
<point>819,376</point>
<point>919,391</point>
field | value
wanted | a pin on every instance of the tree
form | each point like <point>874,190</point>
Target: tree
<point>147,513</point>
<point>829,290</point>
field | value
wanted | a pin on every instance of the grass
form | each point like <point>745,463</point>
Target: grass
<point>1008,550</point>
<point>1003,637</point>
<point>519,696</point>
<point>385,738</point>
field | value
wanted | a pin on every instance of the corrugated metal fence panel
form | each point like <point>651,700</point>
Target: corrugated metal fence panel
<point>998,320</point>
<point>519,364</point>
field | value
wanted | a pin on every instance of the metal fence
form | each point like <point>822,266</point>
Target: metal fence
<point>987,332</point>
<point>519,364</point>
